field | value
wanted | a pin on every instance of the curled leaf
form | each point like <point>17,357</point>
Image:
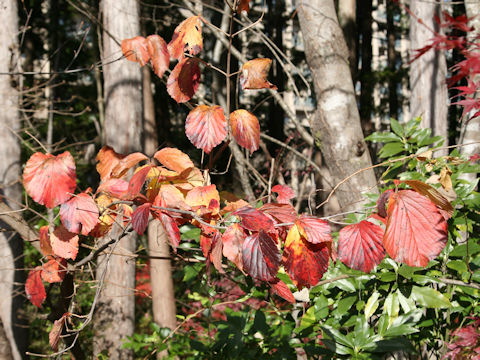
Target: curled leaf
<point>159,56</point>
<point>284,193</point>
<point>136,49</point>
<point>34,287</point>
<point>173,159</point>
<point>254,74</point>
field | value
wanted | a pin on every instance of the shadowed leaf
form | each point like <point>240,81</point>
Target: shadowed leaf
<point>135,49</point>
<point>233,239</point>
<point>140,218</point>
<point>64,243</point>
<point>254,220</point>
<point>184,80</point>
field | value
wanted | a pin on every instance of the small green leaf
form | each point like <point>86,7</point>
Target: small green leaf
<point>391,149</point>
<point>345,304</point>
<point>384,137</point>
<point>372,305</point>
<point>396,127</point>
<point>429,297</point>
<point>457,265</point>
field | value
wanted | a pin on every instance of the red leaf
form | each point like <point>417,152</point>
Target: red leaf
<point>126,163</point>
<point>186,35</point>
<point>135,49</point>
<point>79,214</point>
<point>184,80</point>
<point>382,202</point>
<point>433,194</point>
<point>206,127</point>
<point>285,193</point>
<point>245,129</point>
<point>203,196</point>
<point>261,257</point>
<point>64,243</point>
<point>173,159</point>
<point>34,287</point>
<point>54,270</point>
<point>416,231</point>
<point>360,246</point>
<point>254,220</point>
<point>282,290</point>
<point>243,5</point>
<point>254,74</point>
<point>216,252</point>
<point>117,188</point>
<point>233,239</point>
<point>137,181</point>
<point>313,229</point>
<point>282,213</point>
<point>159,56</point>
<point>44,236</point>
<point>54,335</point>
<point>140,218</point>
<point>170,227</point>
<point>50,180</point>
<point>304,262</point>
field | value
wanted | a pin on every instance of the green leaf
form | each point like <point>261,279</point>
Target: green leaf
<point>407,271</point>
<point>399,330</point>
<point>407,304</point>
<point>429,297</point>
<point>398,344</point>
<point>384,137</point>
<point>391,306</point>
<point>396,127</point>
<point>372,305</point>
<point>457,265</point>
<point>345,304</point>
<point>391,149</point>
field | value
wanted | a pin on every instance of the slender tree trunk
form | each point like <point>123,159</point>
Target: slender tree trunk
<point>429,97</point>
<point>336,124</point>
<point>115,317</point>
<point>5,350</point>
<point>11,245</point>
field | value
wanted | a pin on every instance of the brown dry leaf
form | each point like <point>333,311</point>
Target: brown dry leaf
<point>445,178</point>
<point>254,74</point>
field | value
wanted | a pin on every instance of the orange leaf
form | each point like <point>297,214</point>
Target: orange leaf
<point>187,36</point>
<point>126,163</point>
<point>113,164</point>
<point>172,197</point>
<point>184,80</point>
<point>245,129</point>
<point>34,288</point>
<point>45,246</point>
<point>206,127</point>
<point>135,49</point>
<point>416,231</point>
<point>233,239</point>
<point>254,74</point>
<point>50,180</point>
<point>304,262</point>
<point>159,56</point>
<point>261,257</point>
<point>54,270</point>
<point>244,5</point>
<point>173,159</point>
<point>79,214</point>
<point>360,246</point>
<point>313,229</point>
<point>202,196</point>
<point>64,243</point>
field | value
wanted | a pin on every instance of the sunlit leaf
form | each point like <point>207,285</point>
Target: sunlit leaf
<point>206,127</point>
<point>135,49</point>
<point>254,220</point>
<point>203,196</point>
<point>254,74</point>
<point>50,180</point>
<point>34,288</point>
<point>433,194</point>
<point>304,262</point>
<point>360,246</point>
<point>233,239</point>
<point>261,257</point>
<point>117,188</point>
<point>126,163</point>
<point>170,227</point>
<point>173,159</point>
<point>313,229</point>
<point>79,214</point>
<point>284,193</point>
<point>64,243</point>
<point>245,129</point>
<point>416,231</point>
<point>282,213</point>
<point>187,36</point>
<point>282,290</point>
<point>54,270</point>
<point>137,181</point>
<point>184,80</point>
<point>159,56</point>
<point>140,218</point>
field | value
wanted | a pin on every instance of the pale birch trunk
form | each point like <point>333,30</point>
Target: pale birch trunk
<point>11,245</point>
<point>347,17</point>
<point>115,317</point>
<point>429,97</point>
<point>336,124</point>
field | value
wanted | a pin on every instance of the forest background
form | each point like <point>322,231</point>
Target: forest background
<point>341,71</point>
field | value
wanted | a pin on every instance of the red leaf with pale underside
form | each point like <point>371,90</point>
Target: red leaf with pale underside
<point>261,257</point>
<point>184,80</point>
<point>285,193</point>
<point>416,231</point>
<point>282,290</point>
<point>34,287</point>
<point>187,36</point>
<point>313,229</point>
<point>206,127</point>
<point>64,243</point>
<point>360,246</point>
<point>233,239</point>
<point>254,220</point>
<point>135,49</point>
<point>304,262</point>
<point>117,188</point>
<point>245,129</point>
<point>254,74</point>
<point>54,270</point>
<point>140,218</point>
<point>79,214</point>
<point>433,194</point>
<point>50,180</point>
<point>159,56</point>
<point>173,159</point>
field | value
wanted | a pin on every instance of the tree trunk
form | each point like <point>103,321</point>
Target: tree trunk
<point>115,317</point>
<point>392,62</point>
<point>347,15</point>
<point>11,245</point>
<point>336,124</point>
<point>429,97</point>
